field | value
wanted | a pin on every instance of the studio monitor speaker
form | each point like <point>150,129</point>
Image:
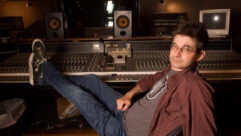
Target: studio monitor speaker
<point>123,24</point>
<point>54,25</point>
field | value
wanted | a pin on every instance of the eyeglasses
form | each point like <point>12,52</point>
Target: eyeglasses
<point>184,50</point>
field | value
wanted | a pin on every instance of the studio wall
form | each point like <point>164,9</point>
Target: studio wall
<point>192,8</point>
<point>33,17</point>
<point>148,7</point>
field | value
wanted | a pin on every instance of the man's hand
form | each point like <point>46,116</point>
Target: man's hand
<point>123,103</point>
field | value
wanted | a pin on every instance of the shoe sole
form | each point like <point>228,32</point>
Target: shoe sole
<point>37,40</point>
<point>30,66</point>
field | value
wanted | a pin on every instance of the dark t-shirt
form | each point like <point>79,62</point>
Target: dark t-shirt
<point>138,117</point>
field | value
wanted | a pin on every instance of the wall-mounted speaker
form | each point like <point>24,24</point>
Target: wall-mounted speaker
<point>123,24</point>
<point>54,25</point>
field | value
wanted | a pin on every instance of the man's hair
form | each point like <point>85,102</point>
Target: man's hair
<point>196,31</point>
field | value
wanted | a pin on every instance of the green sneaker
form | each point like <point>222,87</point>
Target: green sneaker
<point>37,57</point>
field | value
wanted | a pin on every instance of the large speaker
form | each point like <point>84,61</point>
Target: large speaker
<point>54,25</point>
<point>123,24</point>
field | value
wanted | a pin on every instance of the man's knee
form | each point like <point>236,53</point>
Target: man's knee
<point>93,77</point>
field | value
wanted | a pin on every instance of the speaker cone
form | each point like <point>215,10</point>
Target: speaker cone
<point>54,23</point>
<point>123,21</point>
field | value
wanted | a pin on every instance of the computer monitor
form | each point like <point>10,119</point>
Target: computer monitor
<point>216,21</point>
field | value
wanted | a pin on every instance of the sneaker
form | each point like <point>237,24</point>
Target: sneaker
<point>37,57</point>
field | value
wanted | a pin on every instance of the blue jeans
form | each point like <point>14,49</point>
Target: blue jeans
<point>93,98</point>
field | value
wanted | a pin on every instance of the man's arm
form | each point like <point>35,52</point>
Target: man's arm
<point>124,102</point>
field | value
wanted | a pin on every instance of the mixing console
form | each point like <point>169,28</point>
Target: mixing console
<point>217,65</point>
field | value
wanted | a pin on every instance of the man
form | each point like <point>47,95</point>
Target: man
<point>176,98</point>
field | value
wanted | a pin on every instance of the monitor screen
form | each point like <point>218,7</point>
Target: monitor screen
<point>216,21</point>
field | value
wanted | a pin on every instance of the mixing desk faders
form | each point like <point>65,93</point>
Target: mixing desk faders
<point>126,64</point>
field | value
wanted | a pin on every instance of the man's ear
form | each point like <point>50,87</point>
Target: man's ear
<point>201,55</point>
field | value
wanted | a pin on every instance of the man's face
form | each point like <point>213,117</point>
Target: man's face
<point>183,52</point>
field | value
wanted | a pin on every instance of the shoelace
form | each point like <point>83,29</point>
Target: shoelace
<point>40,60</point>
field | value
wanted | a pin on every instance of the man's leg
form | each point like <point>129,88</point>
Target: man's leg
<point>98,88</point>
<point>100,118</point>
<point>104,121</point>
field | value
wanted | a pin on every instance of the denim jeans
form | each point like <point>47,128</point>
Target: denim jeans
<point>93,98</point>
